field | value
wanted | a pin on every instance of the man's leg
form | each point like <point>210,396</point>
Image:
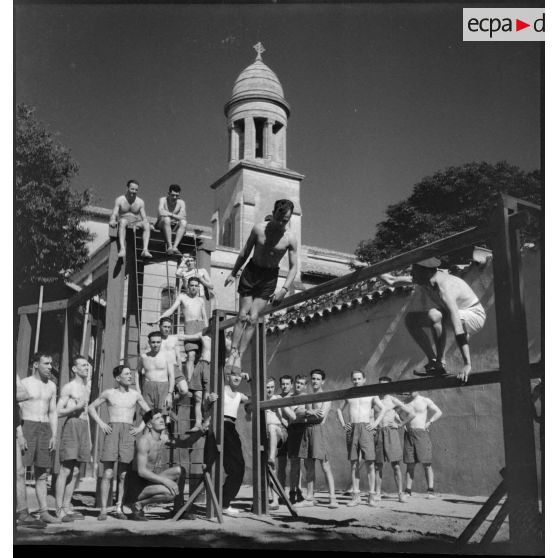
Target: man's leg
<point>355,483</point>
<point>65,483</point>
<point>233,463</point>
<point>379,468</point>
<point>242,318</point>
<point>179,234</point>
<point>326,467</point>
<point>123,468</point>
<point>429,474</point>
<point>146,232</point>
<point>310,467</point>
<point>294,474</point>
<point>69,492</point>
<point>416,322</point>
<point>398,480</point>
<point>370,473</point>
<point>282,470</point>
<point>198,410</point>
<point>106,481</point>
<point>41,492</point>
<point>410,477</point>
<point>190,364</point>
<point>258,304</point>
<point>122,224</point>
<point>165,227</point>
<point>182,386</point>
<point>272,445</point>
<point>439,332</point>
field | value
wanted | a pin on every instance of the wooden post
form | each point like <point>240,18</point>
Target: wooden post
<point>39,316</point>
<point>216,385</point>
<point>67,342</point>
<point>259,505</point>
<point>23,345</point>
<point>519,442</point>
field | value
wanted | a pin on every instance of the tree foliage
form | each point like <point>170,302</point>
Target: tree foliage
<point>50,241</point>
<point>449,202</point>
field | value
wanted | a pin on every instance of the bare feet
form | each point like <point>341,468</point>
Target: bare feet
<point>146,254</point>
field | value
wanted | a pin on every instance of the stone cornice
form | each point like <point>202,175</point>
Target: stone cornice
<point>248,165</point>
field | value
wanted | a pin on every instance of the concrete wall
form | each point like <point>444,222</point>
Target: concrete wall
<point>467,440</point>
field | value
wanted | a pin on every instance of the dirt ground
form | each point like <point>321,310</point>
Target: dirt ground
<point>418,526</point>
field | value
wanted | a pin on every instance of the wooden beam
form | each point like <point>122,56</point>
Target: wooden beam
<point>444,246</point>
<point>51,306</point>
<point>65,355</point>
<point>90,290</point>
<point>513,355</point>
<point>23,345</point>
<point>403,386</point>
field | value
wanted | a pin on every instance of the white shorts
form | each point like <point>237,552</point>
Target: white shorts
<point>473,318</point>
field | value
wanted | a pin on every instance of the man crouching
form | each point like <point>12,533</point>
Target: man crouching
<point>143,484</point>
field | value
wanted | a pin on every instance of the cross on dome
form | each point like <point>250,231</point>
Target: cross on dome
<point>259,48</point>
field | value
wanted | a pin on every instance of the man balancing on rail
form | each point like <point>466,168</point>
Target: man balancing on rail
<point>270,240</point>
<point>455,305</point>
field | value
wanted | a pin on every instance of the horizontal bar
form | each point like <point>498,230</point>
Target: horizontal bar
<point>443,246</point>
<point>51,306</point>
<point>420,384</point>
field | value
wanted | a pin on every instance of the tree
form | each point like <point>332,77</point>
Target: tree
<point>50,241</point>
<point>449,202</point>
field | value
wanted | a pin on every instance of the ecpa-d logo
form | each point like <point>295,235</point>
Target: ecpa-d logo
<point>503,24</point>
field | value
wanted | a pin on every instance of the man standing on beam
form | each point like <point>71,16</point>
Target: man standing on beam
<point>270,241</point>
<point>455,305</point>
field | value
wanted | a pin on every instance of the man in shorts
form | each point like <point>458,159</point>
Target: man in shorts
<point>270,241</point>
<point>456,306</point>
<point>118,445</point>
<point>313,444</point>
<point>172,216</point>
<point>129,209</point>
<point>146,483</point>
<point>286,385</point>
<point>40,423</point>
<point>187,269</point>
<point>158,372</point>
<point>388,442</point>
<point>360,435</point>
<point>417,446</point>
<point>75,445</point>
<point>170,347</point>
<point>276,435</point>
<point>195,320</point>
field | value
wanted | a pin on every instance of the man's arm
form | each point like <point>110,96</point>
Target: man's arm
<point>144,407</point>
<point>113,221</point>
<point>170,376</point>
<point>431,406</point>
<point>21,391</point>
<point>405,409</point>
<point>346,425</point>
<point>293,266</point>
<point>181,215</point>
<point>175,306</point>
<point>204,279</point>
<point>139,371</point>
<point>142,212</point>
<point>52,417</point>
<point>161,209</point>
<point>92,410</point>
<point>242,256</point>
<point>204,314</point>
<point>61,409</point>
<point>379,407</point>
<point>396,280</point>
<point>142,452</point>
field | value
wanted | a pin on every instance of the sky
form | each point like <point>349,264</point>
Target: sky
<point>382,95</point>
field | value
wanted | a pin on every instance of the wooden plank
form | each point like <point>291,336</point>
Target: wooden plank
<point>513,353</point>
<point>51,306</point>
<point>444,246</point>
<point>403,386</point>
<point>497,522</point>
<point>65,356</point>
<point>90,290</point>
<point>23,346</point>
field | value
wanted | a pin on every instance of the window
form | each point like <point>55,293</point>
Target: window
<point>259,124</point>
<point>167,298</point>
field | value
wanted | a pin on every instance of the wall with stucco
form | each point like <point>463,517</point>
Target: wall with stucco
<point>467,440</point>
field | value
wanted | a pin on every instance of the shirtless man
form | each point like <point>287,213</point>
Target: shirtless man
<point>313,445</point>
<point>360,435</point>
<point>172,216</point>
<point>170,347</point>
<point>146,483</point>
<point>75,446</point>
<point>158,372</point>
<point>195,320</point>
<point>417,447</point>
<point>23,517</point>
<point>455,305</point>
<point>118,446</point>
<point>286,385</point>
<point>40,423</point>
<point>388,442</point>
<point>187,269</point>
<point>270,241</point>
<point>276,435</point>
<point>130,210</point>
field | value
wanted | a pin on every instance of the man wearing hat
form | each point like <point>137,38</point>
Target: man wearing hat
<point>455,305</point>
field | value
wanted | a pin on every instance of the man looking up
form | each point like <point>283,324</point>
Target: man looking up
<point>75,447</point>
<point>40,423</point>
<point>172,216</point>
<point>270,240</point>
<point>456,306</point>
<point>118,445</point>
<point>129,209</point>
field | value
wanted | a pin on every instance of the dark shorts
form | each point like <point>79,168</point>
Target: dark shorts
<point>417,447</point>
<point>388,445</point>
<point>191,327</point>
<point>360,441</point>
<point>119,444</point>
<point>74,441</point>
<point>38,435</point>
<point>174,224</point>
<point>155,393</point>
<point>200,377</point>
<point>258,282</point>
<point>313,444</point>
<point>295,432</point>
<point>133,487</point>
